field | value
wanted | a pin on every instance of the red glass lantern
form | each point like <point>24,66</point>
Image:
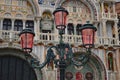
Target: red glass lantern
<point>60,15</point>
<point>88,33</point>
<point>27,36</point>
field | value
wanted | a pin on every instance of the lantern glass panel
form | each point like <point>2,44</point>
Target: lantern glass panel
<point>88,37</point>
<point>60,19</point>
<point>27,41</point>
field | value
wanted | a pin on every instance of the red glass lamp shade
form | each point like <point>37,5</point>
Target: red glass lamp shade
<point>88,33</point>
<point>27,37</point>
<point>60,15</point>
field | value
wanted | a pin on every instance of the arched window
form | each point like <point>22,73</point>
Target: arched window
<point>30,24</point>
<point>18,25</point>
<point>78,29</point>
<point>110,62</point>
<point>7,24</point>
<point>70,28</point>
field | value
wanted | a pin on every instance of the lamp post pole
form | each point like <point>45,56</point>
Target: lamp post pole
<point>62,66</point>
<point>60,15</point>
<point>62,63</point>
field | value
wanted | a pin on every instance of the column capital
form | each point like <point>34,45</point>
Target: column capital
<point>104,20</point>
<point>116,21</point>
<point>38,18</point>
<point>24,20</point>
<point>1,18</point>
<point>13,19</point>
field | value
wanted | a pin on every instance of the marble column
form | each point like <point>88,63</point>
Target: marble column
<point>24,24</point>
<point>11,34</point>
<point>102,7</point>
<point>74,29</point>
<point>37,27</point>
<point>66,31</point>
<point>118,62</point>
<point>1,23</point>
<point>1,26</point>
<point>114,7</point>
<point>12,28</point>
<point>104,28</point>
<point>116,29</point>
<point>96,34</point>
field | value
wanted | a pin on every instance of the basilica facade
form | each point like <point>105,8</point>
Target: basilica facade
<point>16,15</point>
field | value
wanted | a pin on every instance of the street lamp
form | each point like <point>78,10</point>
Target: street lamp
<point>87,33</point>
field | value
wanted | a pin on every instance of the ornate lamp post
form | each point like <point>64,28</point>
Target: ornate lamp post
<point>87,31</point>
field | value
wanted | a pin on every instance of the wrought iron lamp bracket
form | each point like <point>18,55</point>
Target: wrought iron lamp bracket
<point>81,60</point>
<point>60,48</point>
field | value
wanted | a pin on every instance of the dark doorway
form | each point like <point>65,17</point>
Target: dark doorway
<point>14,68</point>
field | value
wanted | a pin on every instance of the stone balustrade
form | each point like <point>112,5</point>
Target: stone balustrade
<point>107,41</point>
<point>6,35</point>
<point>13,36</point>
<point>109,16</point>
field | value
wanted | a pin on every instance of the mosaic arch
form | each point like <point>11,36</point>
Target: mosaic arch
<point>89,3</point>
<point>93,70</point>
